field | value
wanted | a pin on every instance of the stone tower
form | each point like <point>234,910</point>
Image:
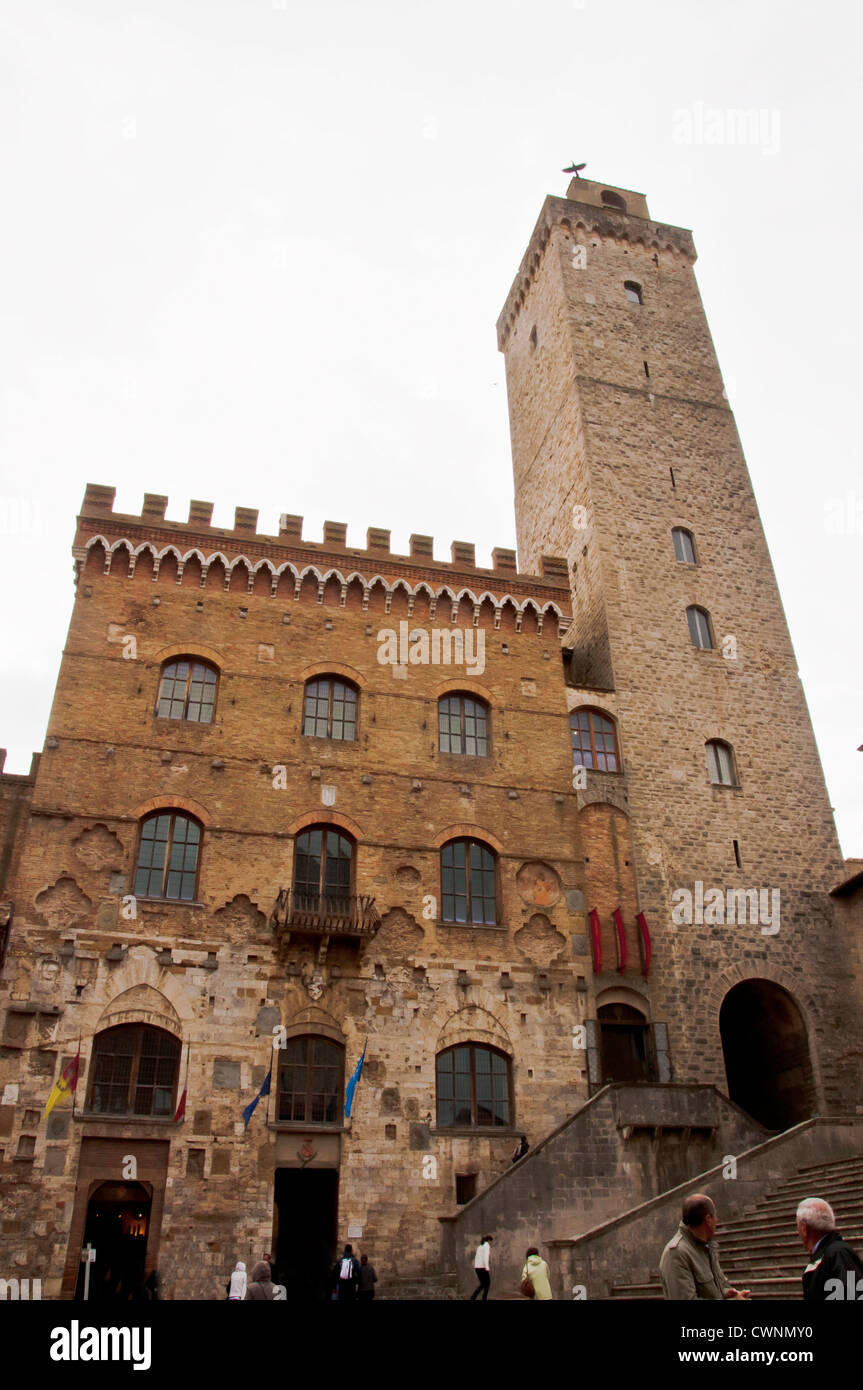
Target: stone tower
<point>627,462</point>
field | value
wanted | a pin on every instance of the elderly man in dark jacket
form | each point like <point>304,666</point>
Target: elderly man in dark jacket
<point>834,1271</point>
<point>260,1286</point>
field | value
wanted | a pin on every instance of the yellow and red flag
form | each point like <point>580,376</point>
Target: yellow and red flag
<point>67,1081</point>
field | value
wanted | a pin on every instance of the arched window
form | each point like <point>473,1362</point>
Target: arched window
<point>720,763</point>
<point>187,691</point>
<point>633,291</point>
<point>168,857</point>
<point>700,631</point>
<point>463,725</point>
<point>612,200</point>
<point>311,1081</point>
<point>134,1071</point>
<point>323,870</point>
<point>330,709</point>
<point>594,742</point>
<point>474,1087</point>
<point>468,872</point>
<point>684,545</point>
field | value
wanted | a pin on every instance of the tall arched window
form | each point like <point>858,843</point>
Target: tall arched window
<point>323,870</point>
<point>134,1071</point>
<point>330,709</point>
<point>468,871</point>
<point>311,1081</point>
<point>720,763</point>
<point>684,545</point>
<point>474,1087</point>
<point>463,725</point>
<point>594,741</point>
<point>187,691</point>
<point>168,857</point>
<point>700,632</point>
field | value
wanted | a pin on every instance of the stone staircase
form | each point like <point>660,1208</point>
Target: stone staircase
<point>438,1289</point>
<point>761,1251</point>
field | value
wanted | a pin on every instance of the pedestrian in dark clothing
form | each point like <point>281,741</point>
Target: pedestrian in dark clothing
<point>368,1279</point>
<point>520,1149</point>
<point>151,1284</point>
<point>482,1269</point>
<point>834,1271</point>
<point>261,1287</point>
<point>346,1276</point>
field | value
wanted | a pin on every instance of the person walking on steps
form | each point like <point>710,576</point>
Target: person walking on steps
<point>482,1268</point>
<point>535,1273</point>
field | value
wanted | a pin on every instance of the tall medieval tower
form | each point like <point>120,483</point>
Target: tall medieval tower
<point>627,462</point>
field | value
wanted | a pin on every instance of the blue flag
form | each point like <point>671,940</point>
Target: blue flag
<point>352,1084</point>
<point>264,1091</point>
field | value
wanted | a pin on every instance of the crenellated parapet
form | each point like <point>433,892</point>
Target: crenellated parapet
<point>572,215</point>
<point>195,553</point>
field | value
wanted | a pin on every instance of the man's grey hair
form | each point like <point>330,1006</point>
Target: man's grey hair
<point>816,1214</point>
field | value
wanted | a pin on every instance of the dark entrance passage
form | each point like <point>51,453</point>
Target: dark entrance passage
<point>305,1231</point>
<point>117,1226</point>
<point>767,1061</point>
<point>625,1044</point>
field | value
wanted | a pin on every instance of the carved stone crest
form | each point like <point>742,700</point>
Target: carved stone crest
<point>314,982</point>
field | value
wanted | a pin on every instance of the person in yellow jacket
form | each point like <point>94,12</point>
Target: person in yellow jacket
<point>536,1270</point>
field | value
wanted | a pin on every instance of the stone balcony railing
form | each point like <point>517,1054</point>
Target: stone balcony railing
<point>324,916</point>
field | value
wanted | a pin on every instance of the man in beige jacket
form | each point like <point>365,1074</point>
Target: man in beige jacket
<point>689,1267</point>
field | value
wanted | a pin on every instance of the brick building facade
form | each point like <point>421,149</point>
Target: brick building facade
<point>269,808</point>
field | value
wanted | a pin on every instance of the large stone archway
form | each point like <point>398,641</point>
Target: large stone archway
<point>766,1051</point>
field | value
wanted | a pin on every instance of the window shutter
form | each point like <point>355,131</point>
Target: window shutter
<point>594,1065</point>
<point>660,1045</point>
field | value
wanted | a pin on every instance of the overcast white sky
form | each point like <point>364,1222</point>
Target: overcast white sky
<point>253,251</point>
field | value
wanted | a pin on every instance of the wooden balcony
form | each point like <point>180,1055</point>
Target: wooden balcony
<point>324,917</point>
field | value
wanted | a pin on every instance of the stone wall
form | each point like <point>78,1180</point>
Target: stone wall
<point>626,1145</point>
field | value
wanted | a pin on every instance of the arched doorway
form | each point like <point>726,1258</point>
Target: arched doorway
<point>625,1044</point>
<point>117,1227</point>
<point>767,1063</point>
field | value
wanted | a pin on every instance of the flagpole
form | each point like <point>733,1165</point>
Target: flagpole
<point>270,1091</point>
<point>186,1082</point>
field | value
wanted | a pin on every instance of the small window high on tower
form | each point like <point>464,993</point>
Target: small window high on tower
<point>633,292</point>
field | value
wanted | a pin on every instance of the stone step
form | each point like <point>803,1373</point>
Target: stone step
<point>843,1164</point>
<point>784,1222</point>
<point>780,1223</point>
<point>845,1187</point>
<point>763,1244</point>
<point>789,1287</point>
<point>790,1201</point>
